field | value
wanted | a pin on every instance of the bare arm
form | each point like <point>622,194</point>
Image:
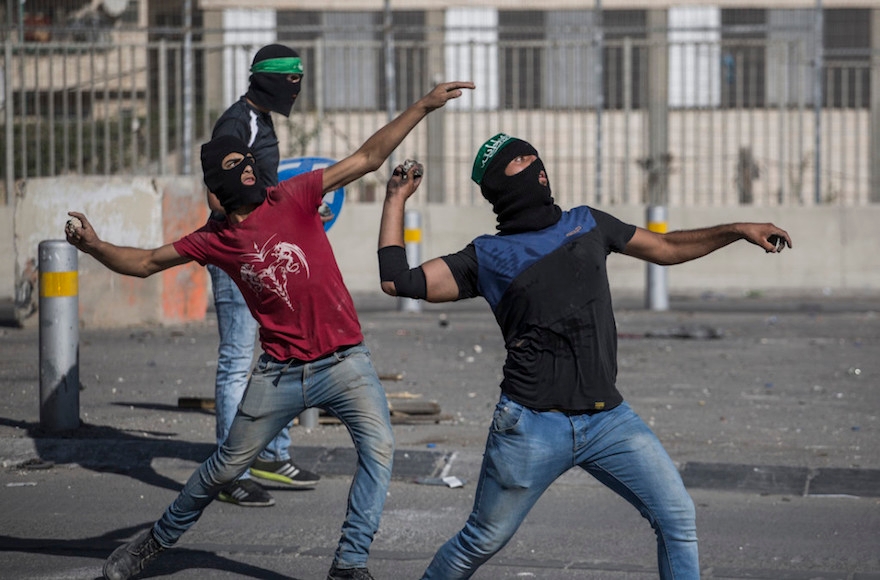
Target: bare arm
<point>373,153</point>
<point>685,245</point>
<point>440,283</point>
<point>122,259</point>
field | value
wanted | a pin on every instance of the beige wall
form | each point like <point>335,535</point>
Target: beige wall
<point>7,253</point>
<point>129,211</point>
<point>835,248</point>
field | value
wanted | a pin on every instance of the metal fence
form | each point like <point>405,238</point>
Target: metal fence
<point>618,120</point>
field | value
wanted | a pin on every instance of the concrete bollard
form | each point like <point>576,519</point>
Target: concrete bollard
<point>59,336</point>
<point>412,238</point>
<point>657,292</point>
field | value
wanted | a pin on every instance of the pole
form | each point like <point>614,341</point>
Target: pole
<point>163,107</point>
<point>59,336</point>
<point>390,82</point>
<point>412,238</point>
<point>658,137</point>
<point>657,296</point>
<point>600,95</point>
<point>874,193</point>
<point>309,418</point>
<point>817,103</point>
<point>8,121</point>
<point>21,22</point>
<point>188,80</point>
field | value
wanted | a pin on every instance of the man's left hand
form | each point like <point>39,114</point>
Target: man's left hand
<point>405,179</point>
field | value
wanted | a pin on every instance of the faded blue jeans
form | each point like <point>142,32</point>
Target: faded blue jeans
<point>344,384</point>
<point>527,450</point>
<point>235,354</point>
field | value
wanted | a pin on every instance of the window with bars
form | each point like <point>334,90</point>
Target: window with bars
<point>847,45</point>
<point>352,56</point>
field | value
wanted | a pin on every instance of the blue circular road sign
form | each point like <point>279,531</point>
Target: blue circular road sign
<point>333,200</point>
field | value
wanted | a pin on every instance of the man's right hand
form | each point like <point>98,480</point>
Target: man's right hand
<point>373,153</point>
<point>444,92</point>
<point>82,237</point>
<point>121,259</point>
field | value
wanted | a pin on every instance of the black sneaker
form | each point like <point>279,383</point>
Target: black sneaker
<point>246,493</point>
<point>284,472</point>
<point>349,574</point>
<point>129,559</point>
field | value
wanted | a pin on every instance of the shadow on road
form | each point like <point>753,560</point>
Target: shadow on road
<point>124,452</point>
<point>170,562</point>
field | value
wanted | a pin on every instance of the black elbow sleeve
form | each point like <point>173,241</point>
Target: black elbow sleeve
<point>392,261</point>
<point>393,267</point>
<point>412,284</point>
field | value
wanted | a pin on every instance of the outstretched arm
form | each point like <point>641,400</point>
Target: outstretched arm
<point>377,148</point>
<point>685,245</point>
<point>432,280</point>
<point>122,259</point>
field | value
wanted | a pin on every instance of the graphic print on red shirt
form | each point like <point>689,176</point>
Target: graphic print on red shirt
<point>269,268</point>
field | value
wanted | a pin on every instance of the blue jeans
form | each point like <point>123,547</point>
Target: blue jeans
<point>527,450</point>
<point>344,384</point>
<point>238,331</point>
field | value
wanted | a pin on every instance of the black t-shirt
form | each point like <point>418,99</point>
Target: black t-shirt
<point>256,129</point>
<point>549,292</point>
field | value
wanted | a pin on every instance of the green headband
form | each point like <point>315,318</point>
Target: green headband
<point>486,153</point>
<point>290,65</point>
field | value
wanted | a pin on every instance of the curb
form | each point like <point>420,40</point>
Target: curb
<point>137,454</point>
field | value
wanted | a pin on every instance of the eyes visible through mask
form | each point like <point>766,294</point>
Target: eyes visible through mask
<point>518,163</point>
<point>232,160</point>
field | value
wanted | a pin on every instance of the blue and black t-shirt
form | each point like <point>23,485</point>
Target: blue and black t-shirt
<point>549,292</point>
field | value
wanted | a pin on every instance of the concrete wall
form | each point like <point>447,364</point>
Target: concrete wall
<point>139,212</point>
<point>835,248</point>
<point>7,253</point>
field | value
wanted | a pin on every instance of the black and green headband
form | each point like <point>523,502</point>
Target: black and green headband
<point>487,152</point>
<point>290,65</point>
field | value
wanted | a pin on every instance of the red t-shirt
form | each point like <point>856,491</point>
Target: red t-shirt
<point>284,265</point>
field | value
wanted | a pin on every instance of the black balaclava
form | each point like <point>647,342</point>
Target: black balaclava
<point>521,202</point>
<point>226,183</point>
<point>269,87</point>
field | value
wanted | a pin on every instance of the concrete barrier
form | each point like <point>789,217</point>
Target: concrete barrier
<point>7,254</point>
<point>835,248</point>
<point>133,211</point>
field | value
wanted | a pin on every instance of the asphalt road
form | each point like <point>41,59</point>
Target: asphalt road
<point>769,406</point>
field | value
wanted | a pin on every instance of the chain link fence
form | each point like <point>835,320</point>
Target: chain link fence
<point>621,115</point>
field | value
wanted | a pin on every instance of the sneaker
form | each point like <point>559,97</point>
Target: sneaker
<point>349,574</point>
<point>246,493</point>
<point>129,559</point>
<point>284,472</point>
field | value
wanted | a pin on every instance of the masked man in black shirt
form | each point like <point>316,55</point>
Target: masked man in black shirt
<point>544,276</point>
<point>275,82</point>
